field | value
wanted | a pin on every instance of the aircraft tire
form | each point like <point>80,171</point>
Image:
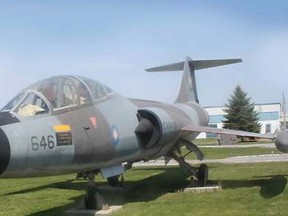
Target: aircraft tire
<point>113,181</point>
<point>202,175</point>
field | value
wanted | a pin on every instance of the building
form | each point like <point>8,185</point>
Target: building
<point>270,116</point>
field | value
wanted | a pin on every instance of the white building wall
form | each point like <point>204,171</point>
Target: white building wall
<point>275,125</point>
<point>269,113</point>
<point>269,108</point>
<point>201,136</point>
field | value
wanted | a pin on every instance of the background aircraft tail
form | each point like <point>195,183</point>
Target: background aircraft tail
<point>188,89</point>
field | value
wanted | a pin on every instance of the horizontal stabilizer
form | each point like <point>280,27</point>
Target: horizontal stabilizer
<point>198,65</point>
<point>226,131</point>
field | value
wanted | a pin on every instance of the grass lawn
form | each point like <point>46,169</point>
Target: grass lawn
<point>214,141</point>
<point>220,153</point>
<point>248,189</point>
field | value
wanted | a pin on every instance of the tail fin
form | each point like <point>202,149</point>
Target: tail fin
<point>188,89</point>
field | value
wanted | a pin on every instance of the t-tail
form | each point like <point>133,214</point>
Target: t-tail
<point>188,89</point>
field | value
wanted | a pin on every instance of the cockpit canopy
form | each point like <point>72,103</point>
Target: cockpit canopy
<point>57,93</point>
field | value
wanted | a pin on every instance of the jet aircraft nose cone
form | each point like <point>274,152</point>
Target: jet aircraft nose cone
<point>5,151</point>
<point>281,141</point>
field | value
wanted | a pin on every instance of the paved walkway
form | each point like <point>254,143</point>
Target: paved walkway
<point>230,160</point>
<point>261,145</point>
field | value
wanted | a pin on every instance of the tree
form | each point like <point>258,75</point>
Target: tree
<point>240,113</point>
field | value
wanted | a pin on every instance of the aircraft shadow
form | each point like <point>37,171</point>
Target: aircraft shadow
<point>148,189</point>
<point>270,186</point>
<point>145,190</point>
<point>68,184</point>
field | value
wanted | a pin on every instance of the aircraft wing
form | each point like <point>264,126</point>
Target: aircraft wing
<point>207,129</point>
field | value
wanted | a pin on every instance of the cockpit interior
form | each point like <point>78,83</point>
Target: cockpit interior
<point>57,93</point>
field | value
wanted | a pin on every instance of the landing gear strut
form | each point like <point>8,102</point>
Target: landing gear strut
<point>93,199</point>
<point>198,175</point>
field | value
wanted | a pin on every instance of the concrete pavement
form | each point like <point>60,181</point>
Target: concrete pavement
<point>230,160</point>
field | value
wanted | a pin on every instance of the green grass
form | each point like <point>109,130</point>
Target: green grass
<point>36,195</point>
<point>248,189</point>
<point>208,141</point>
<point>220,153</point>
<point>214,141</point>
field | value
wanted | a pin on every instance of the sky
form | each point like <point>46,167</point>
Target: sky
<point>115,41</point>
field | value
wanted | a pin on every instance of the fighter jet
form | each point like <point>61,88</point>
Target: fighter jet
<point>73,124</point>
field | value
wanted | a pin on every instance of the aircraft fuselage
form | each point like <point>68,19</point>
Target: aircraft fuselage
<point>92,136</point>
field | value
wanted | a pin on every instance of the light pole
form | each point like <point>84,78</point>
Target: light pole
<point>284,111</point>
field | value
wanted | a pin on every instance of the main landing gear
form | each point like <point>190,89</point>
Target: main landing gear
<point>199,175</point>
<point>202,175</point>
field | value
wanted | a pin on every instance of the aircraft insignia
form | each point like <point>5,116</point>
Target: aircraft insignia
<point>93,121</point>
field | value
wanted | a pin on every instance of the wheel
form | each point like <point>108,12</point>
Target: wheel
<point>202,175</point>
<point>113,181</point>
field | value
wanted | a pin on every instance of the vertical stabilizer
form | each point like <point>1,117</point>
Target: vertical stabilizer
<point>188,89</point>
